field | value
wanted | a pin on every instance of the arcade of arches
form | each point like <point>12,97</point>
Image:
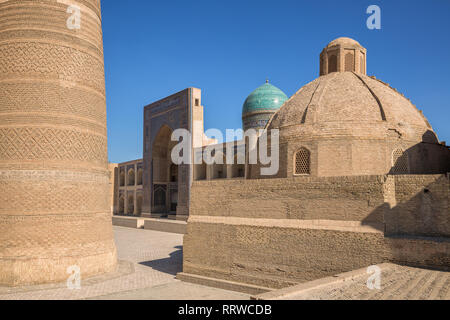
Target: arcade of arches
<point>128,197</point>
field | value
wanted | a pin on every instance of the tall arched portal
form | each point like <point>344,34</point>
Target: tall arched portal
<point>164,174</point>
<point>166,188</point>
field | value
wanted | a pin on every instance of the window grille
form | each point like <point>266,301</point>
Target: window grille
<point>400,162</point>
<point>302,162</point>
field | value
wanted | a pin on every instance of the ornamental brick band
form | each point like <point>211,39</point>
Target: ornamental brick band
<point>54,183</point>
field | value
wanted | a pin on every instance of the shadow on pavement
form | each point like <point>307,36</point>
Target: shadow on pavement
<point>171,265</point>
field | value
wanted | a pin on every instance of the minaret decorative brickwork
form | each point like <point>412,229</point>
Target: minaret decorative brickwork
<point>54,183</point>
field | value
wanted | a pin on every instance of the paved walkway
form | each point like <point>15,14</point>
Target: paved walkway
<point>149,262</point>
<point>397,283</point>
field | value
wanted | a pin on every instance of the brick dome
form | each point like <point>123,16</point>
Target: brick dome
<point>347,124</point>
<point>350,104</point>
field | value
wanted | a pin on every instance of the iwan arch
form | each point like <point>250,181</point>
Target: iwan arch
<point>362,180</point>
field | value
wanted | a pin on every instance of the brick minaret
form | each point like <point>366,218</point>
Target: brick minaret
<point>54,208</point>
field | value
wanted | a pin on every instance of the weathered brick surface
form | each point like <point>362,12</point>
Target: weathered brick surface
<point>54,186</point>
<point>277,232</point>
<point>276,257</point>
<point>345,198</point>
<point>421,206</point>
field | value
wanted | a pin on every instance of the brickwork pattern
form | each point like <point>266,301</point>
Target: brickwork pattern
<point>397,283</point>
<point>154,259</point>
<point>54,181</point>
<point>277,232</point>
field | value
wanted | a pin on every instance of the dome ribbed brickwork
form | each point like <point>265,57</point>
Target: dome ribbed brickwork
<point>348,103</point>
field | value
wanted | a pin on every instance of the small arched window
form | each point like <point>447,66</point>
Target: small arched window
<point>302,162</point>
<point>160,197</point>
<point>363,66</point>
<point>219,168</point>
<point>131,177</point>
<point>139,200</point>
<point>332,64</point>
<point>130,205</point>
<point>349,62</point>
<point>139,177</point>
<point>400,162</point>
<point>121,205</point>
<point>173,173</point>
<point>122,178</point>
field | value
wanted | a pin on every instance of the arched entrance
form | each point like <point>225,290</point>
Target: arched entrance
<point>139,204</point>
<point>238,170</point>
<point>219,170</point>
<point>130,210</point>
<point>164,174</point>
<point>121,205</point>
<point>131,177</point>
<point>122,178</point>
<point>140,173</point>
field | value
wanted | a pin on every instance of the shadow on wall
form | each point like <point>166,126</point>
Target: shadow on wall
<point>171,265</point>
<point>428,157</point>
<point>421,207</point>
<point>416,212</point>
<point>417,205</point>
<point>416,220</point>
<point>415,192</point>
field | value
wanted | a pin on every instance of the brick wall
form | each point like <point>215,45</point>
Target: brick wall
<point>275,256</point>
<point>282,231</point>
<point>345,198</point>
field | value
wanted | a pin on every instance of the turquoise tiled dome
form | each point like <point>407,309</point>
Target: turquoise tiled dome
<point>265,98</point>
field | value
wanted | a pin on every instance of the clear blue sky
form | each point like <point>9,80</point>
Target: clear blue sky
<point>228,49</point>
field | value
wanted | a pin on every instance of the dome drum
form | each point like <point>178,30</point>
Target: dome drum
<point>343,54</point>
